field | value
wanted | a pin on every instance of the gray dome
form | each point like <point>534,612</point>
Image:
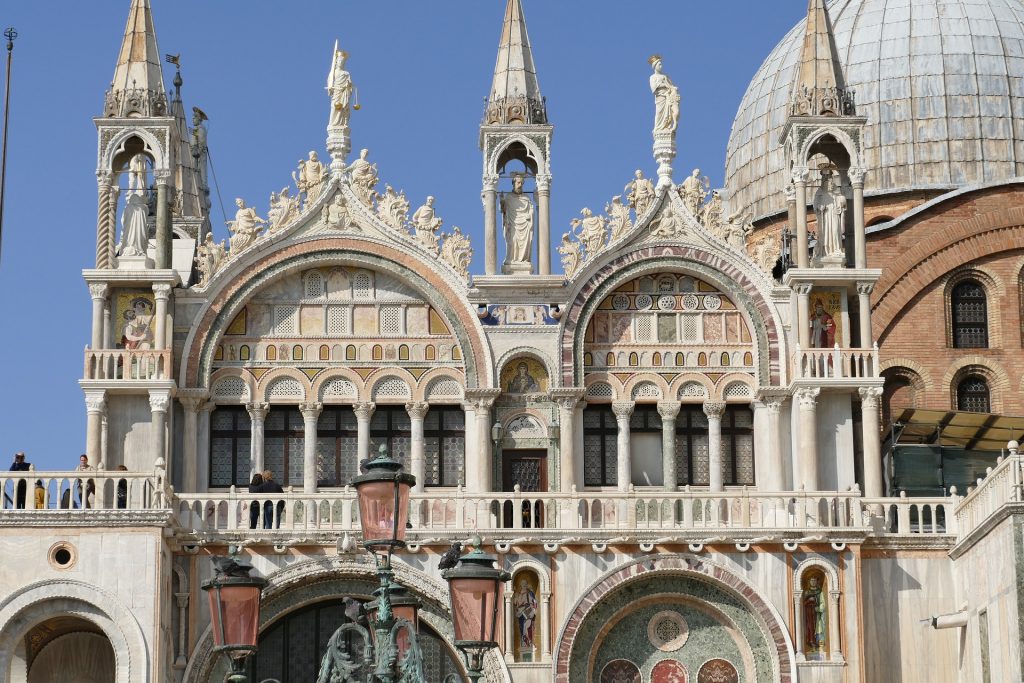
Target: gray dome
<point>941,83</point>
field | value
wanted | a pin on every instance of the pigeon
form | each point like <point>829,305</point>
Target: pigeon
<point>229,566</point>
<point>450,558</point>
<point>354,610</point>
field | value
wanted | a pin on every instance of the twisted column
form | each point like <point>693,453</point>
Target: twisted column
<point>105,214</point>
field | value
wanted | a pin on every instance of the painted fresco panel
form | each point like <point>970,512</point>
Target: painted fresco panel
<point>133,313</point>
<point>524,376</point>
<point>826,318</point>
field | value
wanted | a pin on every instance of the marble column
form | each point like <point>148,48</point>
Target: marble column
<point>807,437</point>
<point>544,630</point>
<point>363,411</point>
<point>108,325</point>
<point>106,219</point>
<point>714,411</point>
<point>870,398</point>
<point>669,411</point>
<point>489,196</point>
<point>257,418</point>
<point>798,635</point>
<point>835,654</point>
<point>485,472</point>
<point>310,416</point>
<point>417,447</point>
<point>800,184</point>
<point>202,473</point>
<point>469,466</point>
<point>159,401</point>
<point>510,634</point>
<point>544,224</point>
<point>191,401</point>
<point>774,480</point>
<point>623,410</point>
<point>859,233</point>
<point>162,293</point>
<point>803,317</point>
<point>99,292</point>
<point>96,410</point>
<point>163,219</point>
<point>864,290</point>
<point>567,400</point>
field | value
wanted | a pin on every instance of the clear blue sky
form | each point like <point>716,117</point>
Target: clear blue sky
<point>258,69</point>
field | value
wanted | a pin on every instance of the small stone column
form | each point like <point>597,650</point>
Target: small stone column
<point>714,411</point>
<point>623,410</point>
<point>162,293</point>
<point>864,290</point>
<point>544,224</point>
<point>96,410</point>
<point>310,416</point>
<point>567,400</point>
<point>485,468</point>
<point>800,184</point>
<point>106,218</point>
<point>835,654</point>
<point>803,316</point>
<point>860,252</point>
<point>108,325</point>
<point>544,632</point>
<point>191,401</point>
<point>257,418</point>
<point>669,411</point>
<point>870,398</point>
<point>202,473</point>
<point>469,467</point>
<point>807,442</point>
<point>163,219</point>
<point>363,411</point>
<point>489,197</point>
<point>159,401</point>
<point>98,292</point>
<point>510,634</point>
<point>417,460</point>
<point>798,635</point>
<point>775,481</point>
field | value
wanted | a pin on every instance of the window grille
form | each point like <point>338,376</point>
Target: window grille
<point>972,395</point>
<point>970,316</point>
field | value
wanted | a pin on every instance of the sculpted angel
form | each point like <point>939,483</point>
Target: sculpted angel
<point>282,209</point>
<point>246,227</point>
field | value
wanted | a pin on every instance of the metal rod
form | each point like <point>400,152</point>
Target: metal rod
<point>10,34</point>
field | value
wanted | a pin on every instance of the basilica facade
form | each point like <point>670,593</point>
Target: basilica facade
<point>674,445</point>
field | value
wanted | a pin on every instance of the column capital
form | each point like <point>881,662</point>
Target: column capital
<point>482,399</point>
<point>669,410</point>
<point>161,291</point>
<point>310,411</point>
<point>96,401</point>
<point>800,175</point>
<point>856,175</point>
<point>870,396</point>
<point>544,182</point>
<point>567,398</point>
<point>104,178</point>
<point>623,409</point>
<point>257,411</point>
<point>865,287</point>
<point>490,182</point>
<point>803,288</point>
<point>364,411</point>
<point>99,290</point>
<point>162,176</point>
<point>773,404</point>
<point>417,410</point>
<point>807,397</point>
<point>159,400</point>
<point>714,409</point>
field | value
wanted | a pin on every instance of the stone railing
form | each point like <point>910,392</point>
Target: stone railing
<point>1001,485</point>
<point>78,491</point>
<point>906,516</point>
<point>127,364</point>
<point>836,363</point>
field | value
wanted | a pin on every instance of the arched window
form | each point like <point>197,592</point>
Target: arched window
<point>970,316</point>
<point>972,394</point>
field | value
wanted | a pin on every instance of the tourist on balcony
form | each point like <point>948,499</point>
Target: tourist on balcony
<point>40,495</point>
<point>271,486</point>
<point>254,506</point>
<point>90,486</point>
<point>122,489</point>
<point>19,465</point>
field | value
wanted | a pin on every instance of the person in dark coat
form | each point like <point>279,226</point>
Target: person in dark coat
<point>254,506</point>
<point>19,465</point>
<point>271,486</point>
<point>122,489</point>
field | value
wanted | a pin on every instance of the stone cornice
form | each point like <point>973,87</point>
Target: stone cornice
<point>99,520</point>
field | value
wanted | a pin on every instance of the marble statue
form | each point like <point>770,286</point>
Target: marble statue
<point>457,252</point>
<point>364,177</point>
<point>591,230</point>
<point>425,224</point>
<point>246,227</point>
<point>736,229</point>
<point>282,209</point>
<point>830,210</point>
<point>335,215</point>
<point>137,180</point>
<point>310,177</point>
<point>209,257</point>
<point>572,259</point>
<point>393,208</point>
<point>668,224</point>
<point>517,216</point>
<point>618,218</point>
<point>666,99</point>
<point>641,193</point>
<point>341,90</point>
<point>693,191</point>
<point>711,214</point>
<point>134,229</point>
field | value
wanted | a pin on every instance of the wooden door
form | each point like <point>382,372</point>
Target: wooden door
<point>529,469</point>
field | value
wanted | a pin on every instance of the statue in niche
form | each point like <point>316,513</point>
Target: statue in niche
<point>364,177</point>
<point>335,214</point>
<point>815,610</point>
<point>524,603</point>
<point>134,229</point>
<point>246,227</point>
<point>137,177</point>
<point>830,210</point>
<point>426,224</point>
<point>591,230</point>
<point>282,209</point>
<point>618,218</point>
<point>640,193</point>
<point>209,257</point>
<point>666,99</point>
<point>457,252</point>
<point>517,216</point>
<point>310,177</point>
<point>341,89</point>
<point>693,191</point>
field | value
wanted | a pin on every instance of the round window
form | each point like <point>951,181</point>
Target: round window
<point>62,555</point>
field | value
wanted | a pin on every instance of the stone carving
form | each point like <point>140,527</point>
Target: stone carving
<point>335,215</point>
<point>766,254</point>
<point>618,218</point>
<point>393,208</point>
<point>209,257</point>
<point>693,191</point>
<point>457,252</point>
<point>668,224</point>
<point>425,224</point>
<point>364,178</point>
<point>666,98</point>
<point>341,89</point>
<point>283,208</point>
<point>137,177</point>
<point>737,228</point>
<point>517,216</point>
<point>134,229</point>
<point>592,231</point>
<point>830,210</point>
<point>640,194</point>
<point>310,177</point>
<point>246,227</point>
<point>572,257</point>
<point>711,214</point>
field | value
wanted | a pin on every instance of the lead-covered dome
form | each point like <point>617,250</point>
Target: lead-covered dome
<point>941,83</point>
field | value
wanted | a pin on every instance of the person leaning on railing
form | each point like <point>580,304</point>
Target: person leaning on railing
<point>254,506</point>
<point>122,489</point>
<point>271,486</point>
<point>21,488</point>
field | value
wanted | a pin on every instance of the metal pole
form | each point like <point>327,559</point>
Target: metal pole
<point>10,34</point>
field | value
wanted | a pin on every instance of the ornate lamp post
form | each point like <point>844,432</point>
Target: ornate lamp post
<point>475,589</point>
<point>235,611</point>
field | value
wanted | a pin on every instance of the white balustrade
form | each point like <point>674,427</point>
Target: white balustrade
<point>836,363</point>
<point>82,491</point>
<point>127,364</point>
<point>1001,485</point>
<point>910,516</point>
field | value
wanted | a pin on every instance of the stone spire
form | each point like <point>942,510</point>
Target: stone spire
<point>819,89</point>
<point>515,93</point>
<point>138,85</point>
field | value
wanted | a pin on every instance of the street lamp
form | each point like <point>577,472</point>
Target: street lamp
<point>475,589</point>
<point>235,611</point>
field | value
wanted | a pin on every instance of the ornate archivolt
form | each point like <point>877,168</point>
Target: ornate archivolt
<point>690,387</point>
